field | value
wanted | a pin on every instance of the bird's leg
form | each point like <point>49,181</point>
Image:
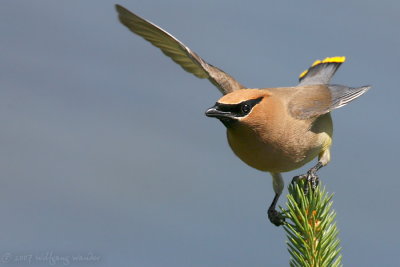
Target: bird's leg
<point>273,215</point>
<point>311,176</point>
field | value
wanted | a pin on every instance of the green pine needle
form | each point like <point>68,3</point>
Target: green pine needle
<point>311,229</point>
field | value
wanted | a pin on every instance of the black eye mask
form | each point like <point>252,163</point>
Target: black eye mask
<point>239,110</point>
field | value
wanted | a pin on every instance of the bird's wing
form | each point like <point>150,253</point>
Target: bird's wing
<point>177,51</point>
<point>315,100</point>
<point>321,71</point>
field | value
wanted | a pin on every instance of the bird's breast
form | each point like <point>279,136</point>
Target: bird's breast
<point>283,147</point>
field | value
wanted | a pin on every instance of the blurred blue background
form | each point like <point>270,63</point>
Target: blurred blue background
<point>105,149</point>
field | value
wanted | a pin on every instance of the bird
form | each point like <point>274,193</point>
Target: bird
<point>273,130</point>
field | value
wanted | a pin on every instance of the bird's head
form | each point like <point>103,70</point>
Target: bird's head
<point>238,106</point>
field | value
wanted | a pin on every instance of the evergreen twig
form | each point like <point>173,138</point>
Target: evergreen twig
<point>311,230</point>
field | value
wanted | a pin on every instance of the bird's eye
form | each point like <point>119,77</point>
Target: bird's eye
<point>246,108</point>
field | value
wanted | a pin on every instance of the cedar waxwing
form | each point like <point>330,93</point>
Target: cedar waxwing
<point>271,129</point>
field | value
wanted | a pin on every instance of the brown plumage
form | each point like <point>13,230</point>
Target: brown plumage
<point>272,129</point>
<point>270,138</point>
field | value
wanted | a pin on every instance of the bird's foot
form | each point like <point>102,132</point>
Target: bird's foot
<point>311,178</point>
<point>298,178</point>
<point>275,217</point>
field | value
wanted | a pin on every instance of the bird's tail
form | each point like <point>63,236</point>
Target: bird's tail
<point>321,71</point>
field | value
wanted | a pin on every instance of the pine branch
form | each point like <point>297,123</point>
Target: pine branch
<point>311,230</point>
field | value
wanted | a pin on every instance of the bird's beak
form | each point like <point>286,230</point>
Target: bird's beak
<point>213,112</point>
<point>226,117</point>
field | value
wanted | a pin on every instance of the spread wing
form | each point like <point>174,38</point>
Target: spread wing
<point>315,100</point>
<point>177,51</point>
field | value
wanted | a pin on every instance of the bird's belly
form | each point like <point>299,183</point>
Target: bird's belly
<point>273,156</point>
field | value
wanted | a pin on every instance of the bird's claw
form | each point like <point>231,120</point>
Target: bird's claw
<point>297,178</point>
<point>311,179</point>
<point>275,217</point>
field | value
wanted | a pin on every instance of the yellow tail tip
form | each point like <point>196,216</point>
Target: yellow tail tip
<point>330,60</point>
<point>326,60</point>
<point>303,74</point>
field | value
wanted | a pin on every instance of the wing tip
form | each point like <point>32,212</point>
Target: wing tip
<point>119,8</point>
<point>365,88</point>
<point>122,11</point>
